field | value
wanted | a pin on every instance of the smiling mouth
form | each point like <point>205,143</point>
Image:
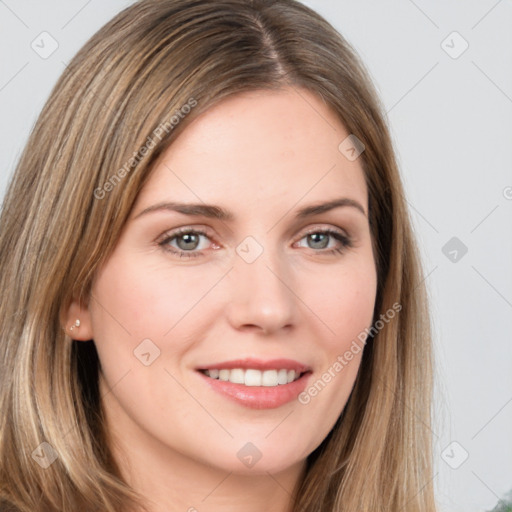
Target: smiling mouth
<point>253,377</point>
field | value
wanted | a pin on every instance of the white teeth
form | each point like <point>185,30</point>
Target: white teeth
<point>269,378</point>
<point>237,376</point>
<point>282,377</point>
<point>224,375</point>
<point>251,377</point>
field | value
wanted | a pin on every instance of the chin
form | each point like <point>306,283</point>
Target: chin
<point>251,458</point>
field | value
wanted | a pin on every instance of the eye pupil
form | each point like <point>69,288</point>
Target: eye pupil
<point>190,241</point>
<point>319,240</point>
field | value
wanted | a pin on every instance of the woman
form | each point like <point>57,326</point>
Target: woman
<point>213,297</point>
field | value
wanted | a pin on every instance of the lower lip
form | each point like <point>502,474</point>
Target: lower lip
<point>259,397</point>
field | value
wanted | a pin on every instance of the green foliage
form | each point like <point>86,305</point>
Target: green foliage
<point>504,505</point>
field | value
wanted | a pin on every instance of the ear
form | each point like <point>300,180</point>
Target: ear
<point>77,310</point>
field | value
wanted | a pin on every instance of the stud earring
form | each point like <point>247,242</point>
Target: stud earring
<point>76,324</point>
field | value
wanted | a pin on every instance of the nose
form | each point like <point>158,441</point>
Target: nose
<point>261,296</point>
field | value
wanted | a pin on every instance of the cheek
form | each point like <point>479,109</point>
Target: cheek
<point>145,314</point>
<point>141,302</point>
<point>146,309</point>
<point>353,305</point>
<point>345,304</point>
<point>344,300</point>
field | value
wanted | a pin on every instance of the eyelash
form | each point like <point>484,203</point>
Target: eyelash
<point>345,241</point>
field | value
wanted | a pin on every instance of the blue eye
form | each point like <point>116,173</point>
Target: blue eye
<point>319,239</point>
<point>186,242</point>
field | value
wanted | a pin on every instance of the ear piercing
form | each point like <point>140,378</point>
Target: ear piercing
<point>76,324</point>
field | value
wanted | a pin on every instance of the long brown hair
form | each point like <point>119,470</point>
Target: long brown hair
<point>72,193</point>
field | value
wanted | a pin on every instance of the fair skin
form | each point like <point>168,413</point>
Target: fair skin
<point>263,156</point>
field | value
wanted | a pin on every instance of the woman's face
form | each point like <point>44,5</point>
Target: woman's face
<point>225,266</point>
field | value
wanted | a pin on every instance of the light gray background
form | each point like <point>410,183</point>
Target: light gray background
<point>452,126</point>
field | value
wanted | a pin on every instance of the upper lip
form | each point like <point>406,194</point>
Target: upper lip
<point>258,364</point>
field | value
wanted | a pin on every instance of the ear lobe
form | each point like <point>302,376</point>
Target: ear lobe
<point>77,321</point>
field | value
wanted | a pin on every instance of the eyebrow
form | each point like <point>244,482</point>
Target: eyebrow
<point>216,212</point>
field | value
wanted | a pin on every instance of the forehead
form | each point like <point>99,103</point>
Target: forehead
<point>264,148</point>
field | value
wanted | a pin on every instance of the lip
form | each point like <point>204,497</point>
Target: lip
<point>258,397</point>
<point>258,364</point>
